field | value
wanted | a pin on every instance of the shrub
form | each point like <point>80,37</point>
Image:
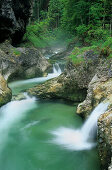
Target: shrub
<point>106,48</point>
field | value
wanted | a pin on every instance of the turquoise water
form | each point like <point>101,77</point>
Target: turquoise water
<point>28,143</point>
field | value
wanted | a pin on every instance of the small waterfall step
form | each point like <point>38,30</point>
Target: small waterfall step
<point>56,72</point>
<point>80,139</point>
<point>56,69</point>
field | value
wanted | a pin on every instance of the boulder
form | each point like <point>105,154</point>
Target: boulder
<point>16,63</point>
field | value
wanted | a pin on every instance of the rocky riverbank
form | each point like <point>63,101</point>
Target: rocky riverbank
<point>90,80</point>
<point>100,89</point>
<point>71,85</point>
<point>16,63</point>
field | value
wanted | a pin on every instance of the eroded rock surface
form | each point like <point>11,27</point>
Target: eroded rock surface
<point>100,89</point>
<point>14,15</point>
<point>5,92</point>
<point>21,62</point>
<point>105,139</point>
<point>70,85</point>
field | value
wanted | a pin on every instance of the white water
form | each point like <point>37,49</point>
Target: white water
<point>11,113</point>
<point>14,111</point>
<point>80,139</point>
<point>56,72</point>
<point>56,69</point>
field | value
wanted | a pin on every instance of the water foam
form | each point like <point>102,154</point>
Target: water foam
<point>80,139</point>
<point>56,72</point>
<point>11,113</point>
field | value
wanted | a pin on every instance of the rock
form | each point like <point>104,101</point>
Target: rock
<point>71,85</point>
<point>5,92</point>
<point>92,77</point>
<point>20,96</point>
<point>14,15</point>
<point>21,62</point>
<point>105,135</point>
<point>100,89</point>
<point>60,56</point>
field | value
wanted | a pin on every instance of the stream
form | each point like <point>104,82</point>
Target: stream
<point>25,133</point>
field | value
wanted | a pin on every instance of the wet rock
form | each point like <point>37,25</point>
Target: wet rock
<point>105,135</point>
<point>92,77</point>
<point>5,92</point>
<point>16,63</point>
<point>100,89</point>
<point>71,85</point>
<point>20,96</point>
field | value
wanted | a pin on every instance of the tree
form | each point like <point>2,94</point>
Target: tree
<point>55,12</point>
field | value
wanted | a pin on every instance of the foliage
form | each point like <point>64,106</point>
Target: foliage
<point>36,34</point>
<point>39,35</point>
<point>15,52</point>
<point>103,50</point>
<point>90,21</point>
<point>106,48</point>
<point>55,13</point>
<point>77,55</point>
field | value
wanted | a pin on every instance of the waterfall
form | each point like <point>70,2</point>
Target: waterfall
<point>90,126</point>
<point>56,72</point>
<point>80,139</point>
<point>11,113</point>
<point>56,69</point>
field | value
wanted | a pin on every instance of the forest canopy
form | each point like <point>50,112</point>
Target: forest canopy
<point>88,20</point>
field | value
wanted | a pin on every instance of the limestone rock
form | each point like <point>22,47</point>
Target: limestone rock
<point>21,62</point>
<point>14,15</point>
<point>100,89</point>
<point>105,139</point>
<point>5,92</point>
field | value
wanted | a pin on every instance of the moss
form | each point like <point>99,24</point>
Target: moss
<point>15,52</point>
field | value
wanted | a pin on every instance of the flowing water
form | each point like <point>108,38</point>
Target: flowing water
<point>26,141</point>
<point>81,138</point>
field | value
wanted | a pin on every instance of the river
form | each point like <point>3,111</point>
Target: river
<point>26,138</point>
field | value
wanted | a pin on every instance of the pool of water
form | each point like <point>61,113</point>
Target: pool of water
<point>26,140</point>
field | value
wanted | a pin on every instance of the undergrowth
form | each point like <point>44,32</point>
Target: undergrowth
<point>103,50</point>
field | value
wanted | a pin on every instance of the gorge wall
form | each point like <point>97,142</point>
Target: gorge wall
<point>16,63</point>
<point>14,15</point>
